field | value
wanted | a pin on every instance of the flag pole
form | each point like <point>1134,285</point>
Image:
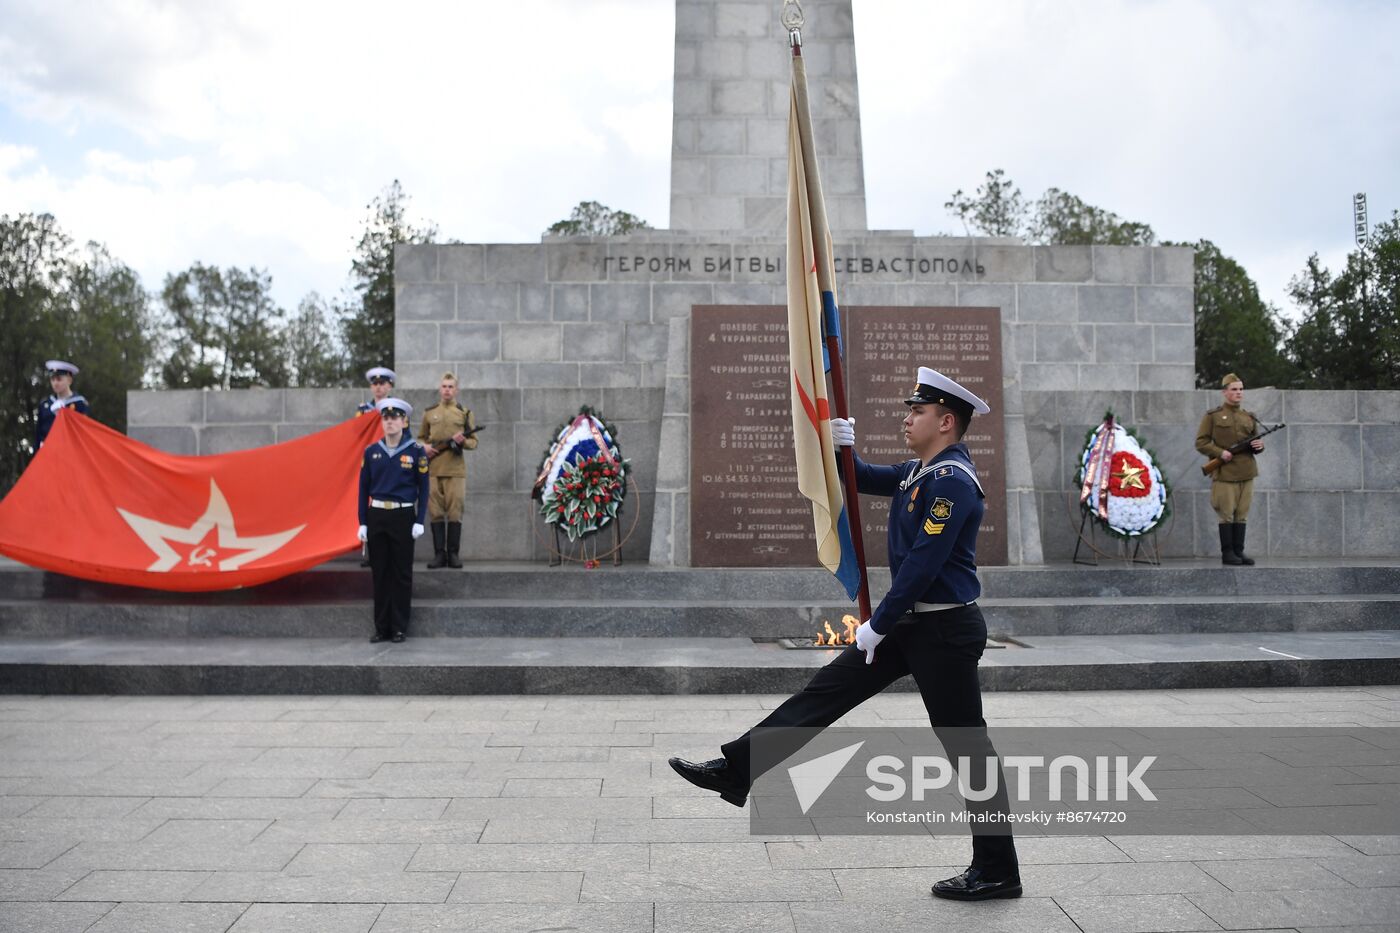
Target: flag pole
<point>821,246</point>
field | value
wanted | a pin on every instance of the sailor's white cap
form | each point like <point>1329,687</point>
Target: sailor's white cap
<point>934,388</point>
<point>397,404</point>
<point>61,366</point>
<point>380,372</point>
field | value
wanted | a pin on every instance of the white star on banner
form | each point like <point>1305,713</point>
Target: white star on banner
<point>157,536</point>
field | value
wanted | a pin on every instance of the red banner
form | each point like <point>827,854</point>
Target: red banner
<point>97,504</point>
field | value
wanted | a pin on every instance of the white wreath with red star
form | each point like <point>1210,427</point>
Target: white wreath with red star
<point>1136,491</point>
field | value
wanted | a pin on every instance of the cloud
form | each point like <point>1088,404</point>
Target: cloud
<point>1246,123</point>
<point>14,157</point>
<point>256,132</point>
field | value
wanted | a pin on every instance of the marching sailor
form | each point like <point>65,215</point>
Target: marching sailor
<point>929,617</point>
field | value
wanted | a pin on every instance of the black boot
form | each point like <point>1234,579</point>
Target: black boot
<point>1239,544</point>
<point>1227,546</point>
<point>454,544</point>
<point>439,547</point>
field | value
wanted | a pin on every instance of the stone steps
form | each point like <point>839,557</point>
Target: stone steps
<point>439,618</point>
<point>663,666</point>
<point>514,628</point>
<point>345,581</point>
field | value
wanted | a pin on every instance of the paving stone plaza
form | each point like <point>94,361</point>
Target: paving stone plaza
<point>509,813</point>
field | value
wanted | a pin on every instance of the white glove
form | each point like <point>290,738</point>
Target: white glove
<point>867,640</point>
<point>417,532</point>
<point>363,533</point>
<point>843,432</point>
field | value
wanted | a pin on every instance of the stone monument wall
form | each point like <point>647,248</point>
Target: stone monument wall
<point>498,523</point>
<point>729,129</point>
<point>589,314</point>
<point>1328,486</point>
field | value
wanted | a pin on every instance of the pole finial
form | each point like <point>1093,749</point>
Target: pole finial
<point>792,19</point>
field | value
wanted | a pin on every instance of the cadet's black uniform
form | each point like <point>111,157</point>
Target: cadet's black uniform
<point>393,497</point>
<point>935,511</point>
<point>48,411</point>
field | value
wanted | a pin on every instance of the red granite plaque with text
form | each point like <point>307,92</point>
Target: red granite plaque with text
<point>745,509</point>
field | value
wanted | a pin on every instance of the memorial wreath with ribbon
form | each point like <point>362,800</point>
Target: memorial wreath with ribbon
<point>1120,485</point>
<point>582,480</point>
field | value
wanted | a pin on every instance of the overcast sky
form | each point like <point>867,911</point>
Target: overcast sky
<point>254,133</point>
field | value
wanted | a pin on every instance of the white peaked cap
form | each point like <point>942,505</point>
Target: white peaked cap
<point>395,403</point>
<point>383,371</point>
<point>936,388</point>
<point>61,366</point>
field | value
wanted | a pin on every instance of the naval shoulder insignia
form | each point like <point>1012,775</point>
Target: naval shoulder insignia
<point>941,509</point>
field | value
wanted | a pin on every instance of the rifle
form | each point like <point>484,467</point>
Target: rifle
<point>1242,447</point>
<point>457,448</point>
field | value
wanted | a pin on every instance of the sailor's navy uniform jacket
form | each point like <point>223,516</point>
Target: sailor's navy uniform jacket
<point>49,409</point>
<point>398,475</point>
<point>935,511</point>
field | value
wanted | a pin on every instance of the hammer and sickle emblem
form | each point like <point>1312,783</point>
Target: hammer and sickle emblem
<point>199,557</point>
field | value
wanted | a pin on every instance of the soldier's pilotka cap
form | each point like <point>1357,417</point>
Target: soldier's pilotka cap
<point>380,372</point>
<point>1229,378</point>
<point>934,388</point>
<point>394,404</point>
<point>60,366</point>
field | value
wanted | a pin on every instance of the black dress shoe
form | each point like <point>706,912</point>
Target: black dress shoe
<point>975,885</point>
<point>398,637</point>
<point>365,562</point>
<point>715,775</point>
<point>376,639</point>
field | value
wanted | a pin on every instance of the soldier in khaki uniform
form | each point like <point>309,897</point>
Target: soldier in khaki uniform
<point>448,430</point>
<point>1232,486</point>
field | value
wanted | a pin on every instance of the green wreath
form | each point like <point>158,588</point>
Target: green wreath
<point>588,492</point>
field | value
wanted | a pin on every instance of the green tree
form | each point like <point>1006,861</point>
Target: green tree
<point>194,302</point>
<point>1236,330</point>
<point>1349,333</point>
<point>109,330</point>
<point>997,209</point>
<point>312,360</point>
<point>88,308</point>
<point>253,335</point>
<point>33,275</point>
<point>1062,218</point>
<point>223,330</point>
<point>590,218</point>
<point>368,322</point>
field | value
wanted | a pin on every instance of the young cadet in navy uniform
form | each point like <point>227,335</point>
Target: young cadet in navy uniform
<point>393,504</point>
<point>61,381</point>
<point>381,383</point>
<point>935,629</point>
